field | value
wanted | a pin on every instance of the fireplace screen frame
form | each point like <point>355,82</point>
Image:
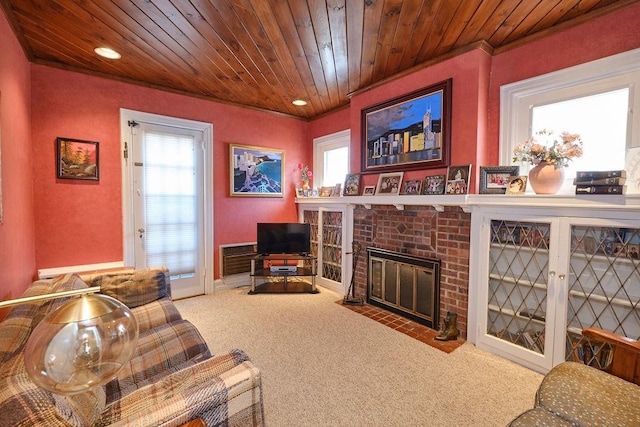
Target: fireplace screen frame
<point>394,303</point>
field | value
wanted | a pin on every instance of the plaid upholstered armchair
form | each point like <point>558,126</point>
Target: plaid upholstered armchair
<point>575,394</point>
<point>171,379</point>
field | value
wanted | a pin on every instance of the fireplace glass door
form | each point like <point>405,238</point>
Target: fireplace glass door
<point>405,284</point>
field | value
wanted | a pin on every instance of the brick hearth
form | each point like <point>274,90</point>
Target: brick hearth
<point>405,326</point>
<point>424,232</point>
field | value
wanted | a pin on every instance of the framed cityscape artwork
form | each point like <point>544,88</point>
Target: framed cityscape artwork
<point>408,132</point>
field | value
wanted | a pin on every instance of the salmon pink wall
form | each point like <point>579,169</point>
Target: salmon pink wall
<point>470,78</point>
<point>333,122</point>
<point>608,35</point>
<point>17,235</point>
<point>80,222</point>
<point>477,77</point>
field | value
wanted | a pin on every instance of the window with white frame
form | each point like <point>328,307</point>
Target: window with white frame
<point>331,159</point>
<point>595,100</point>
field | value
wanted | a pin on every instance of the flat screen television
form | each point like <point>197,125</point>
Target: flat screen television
<point>284,238</point>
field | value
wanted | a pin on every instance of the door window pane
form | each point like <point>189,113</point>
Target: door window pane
<point>170,202</point>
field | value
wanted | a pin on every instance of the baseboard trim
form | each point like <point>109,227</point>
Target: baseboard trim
<point>47,273</point>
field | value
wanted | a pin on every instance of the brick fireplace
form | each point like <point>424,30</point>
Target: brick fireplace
<point>424,232</point>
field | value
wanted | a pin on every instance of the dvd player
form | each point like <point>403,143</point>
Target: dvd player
<point>284,268</point>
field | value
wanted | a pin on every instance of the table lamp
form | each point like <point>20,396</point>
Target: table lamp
<point>80,345</point>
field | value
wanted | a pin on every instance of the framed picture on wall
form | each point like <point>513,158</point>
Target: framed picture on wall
<point>256,171</point>
<point>408,132</point>
<point>77,159</point>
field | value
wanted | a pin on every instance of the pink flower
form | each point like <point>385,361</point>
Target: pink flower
<point>555,149</point>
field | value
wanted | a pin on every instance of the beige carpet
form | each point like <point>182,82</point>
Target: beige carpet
<point>324,365</point>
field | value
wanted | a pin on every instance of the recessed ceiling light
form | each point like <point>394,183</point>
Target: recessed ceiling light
<point>299,102</point>
<point>107,53</point>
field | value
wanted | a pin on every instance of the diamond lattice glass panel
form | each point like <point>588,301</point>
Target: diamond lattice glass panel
<point>332,246</point>
<point>604,285</point>
<point>311,217</point>
<point>518,271</point>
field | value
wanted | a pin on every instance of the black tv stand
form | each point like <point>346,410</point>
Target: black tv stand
<point>276,271</point>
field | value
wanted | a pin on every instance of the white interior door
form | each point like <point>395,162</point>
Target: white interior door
<point>167,180</point>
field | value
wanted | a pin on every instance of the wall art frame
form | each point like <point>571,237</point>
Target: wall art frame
<point>496,179</point>
<point>77,159</point>
<point>408,132</point>
<point>256,171</point>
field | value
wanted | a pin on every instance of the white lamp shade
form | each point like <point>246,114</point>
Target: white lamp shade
<point>81,345</point>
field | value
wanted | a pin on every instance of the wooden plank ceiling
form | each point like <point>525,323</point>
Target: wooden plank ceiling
<point>266,53</point>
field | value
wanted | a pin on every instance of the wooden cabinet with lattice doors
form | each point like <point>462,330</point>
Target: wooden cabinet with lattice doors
<point>545,278</point>
<point>331,240</point>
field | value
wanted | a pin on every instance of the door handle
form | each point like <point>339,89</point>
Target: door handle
<point>141,232</point>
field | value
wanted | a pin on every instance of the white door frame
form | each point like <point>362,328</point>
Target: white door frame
<point>128,228</point>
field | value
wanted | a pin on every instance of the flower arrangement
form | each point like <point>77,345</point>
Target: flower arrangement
<point>305,174</point>
<point>555,149</point>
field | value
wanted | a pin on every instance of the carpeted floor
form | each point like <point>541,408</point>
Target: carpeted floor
<point>323,364</point>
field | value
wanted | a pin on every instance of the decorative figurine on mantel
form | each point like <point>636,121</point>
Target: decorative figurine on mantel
<point>306,175</point>
<point>450,330</point>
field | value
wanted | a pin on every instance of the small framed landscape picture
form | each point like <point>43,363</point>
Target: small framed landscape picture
<point>369,190</point>
<point>496,179</point>
<point>389,183</point>
<point>77,159</point>
<point>458,179</point>
<point>517,185</point>
<point>352,184</point>
<point>434,184</point>
<point>411,187</point>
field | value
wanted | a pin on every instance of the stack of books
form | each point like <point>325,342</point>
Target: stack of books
<point>600,182</point>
